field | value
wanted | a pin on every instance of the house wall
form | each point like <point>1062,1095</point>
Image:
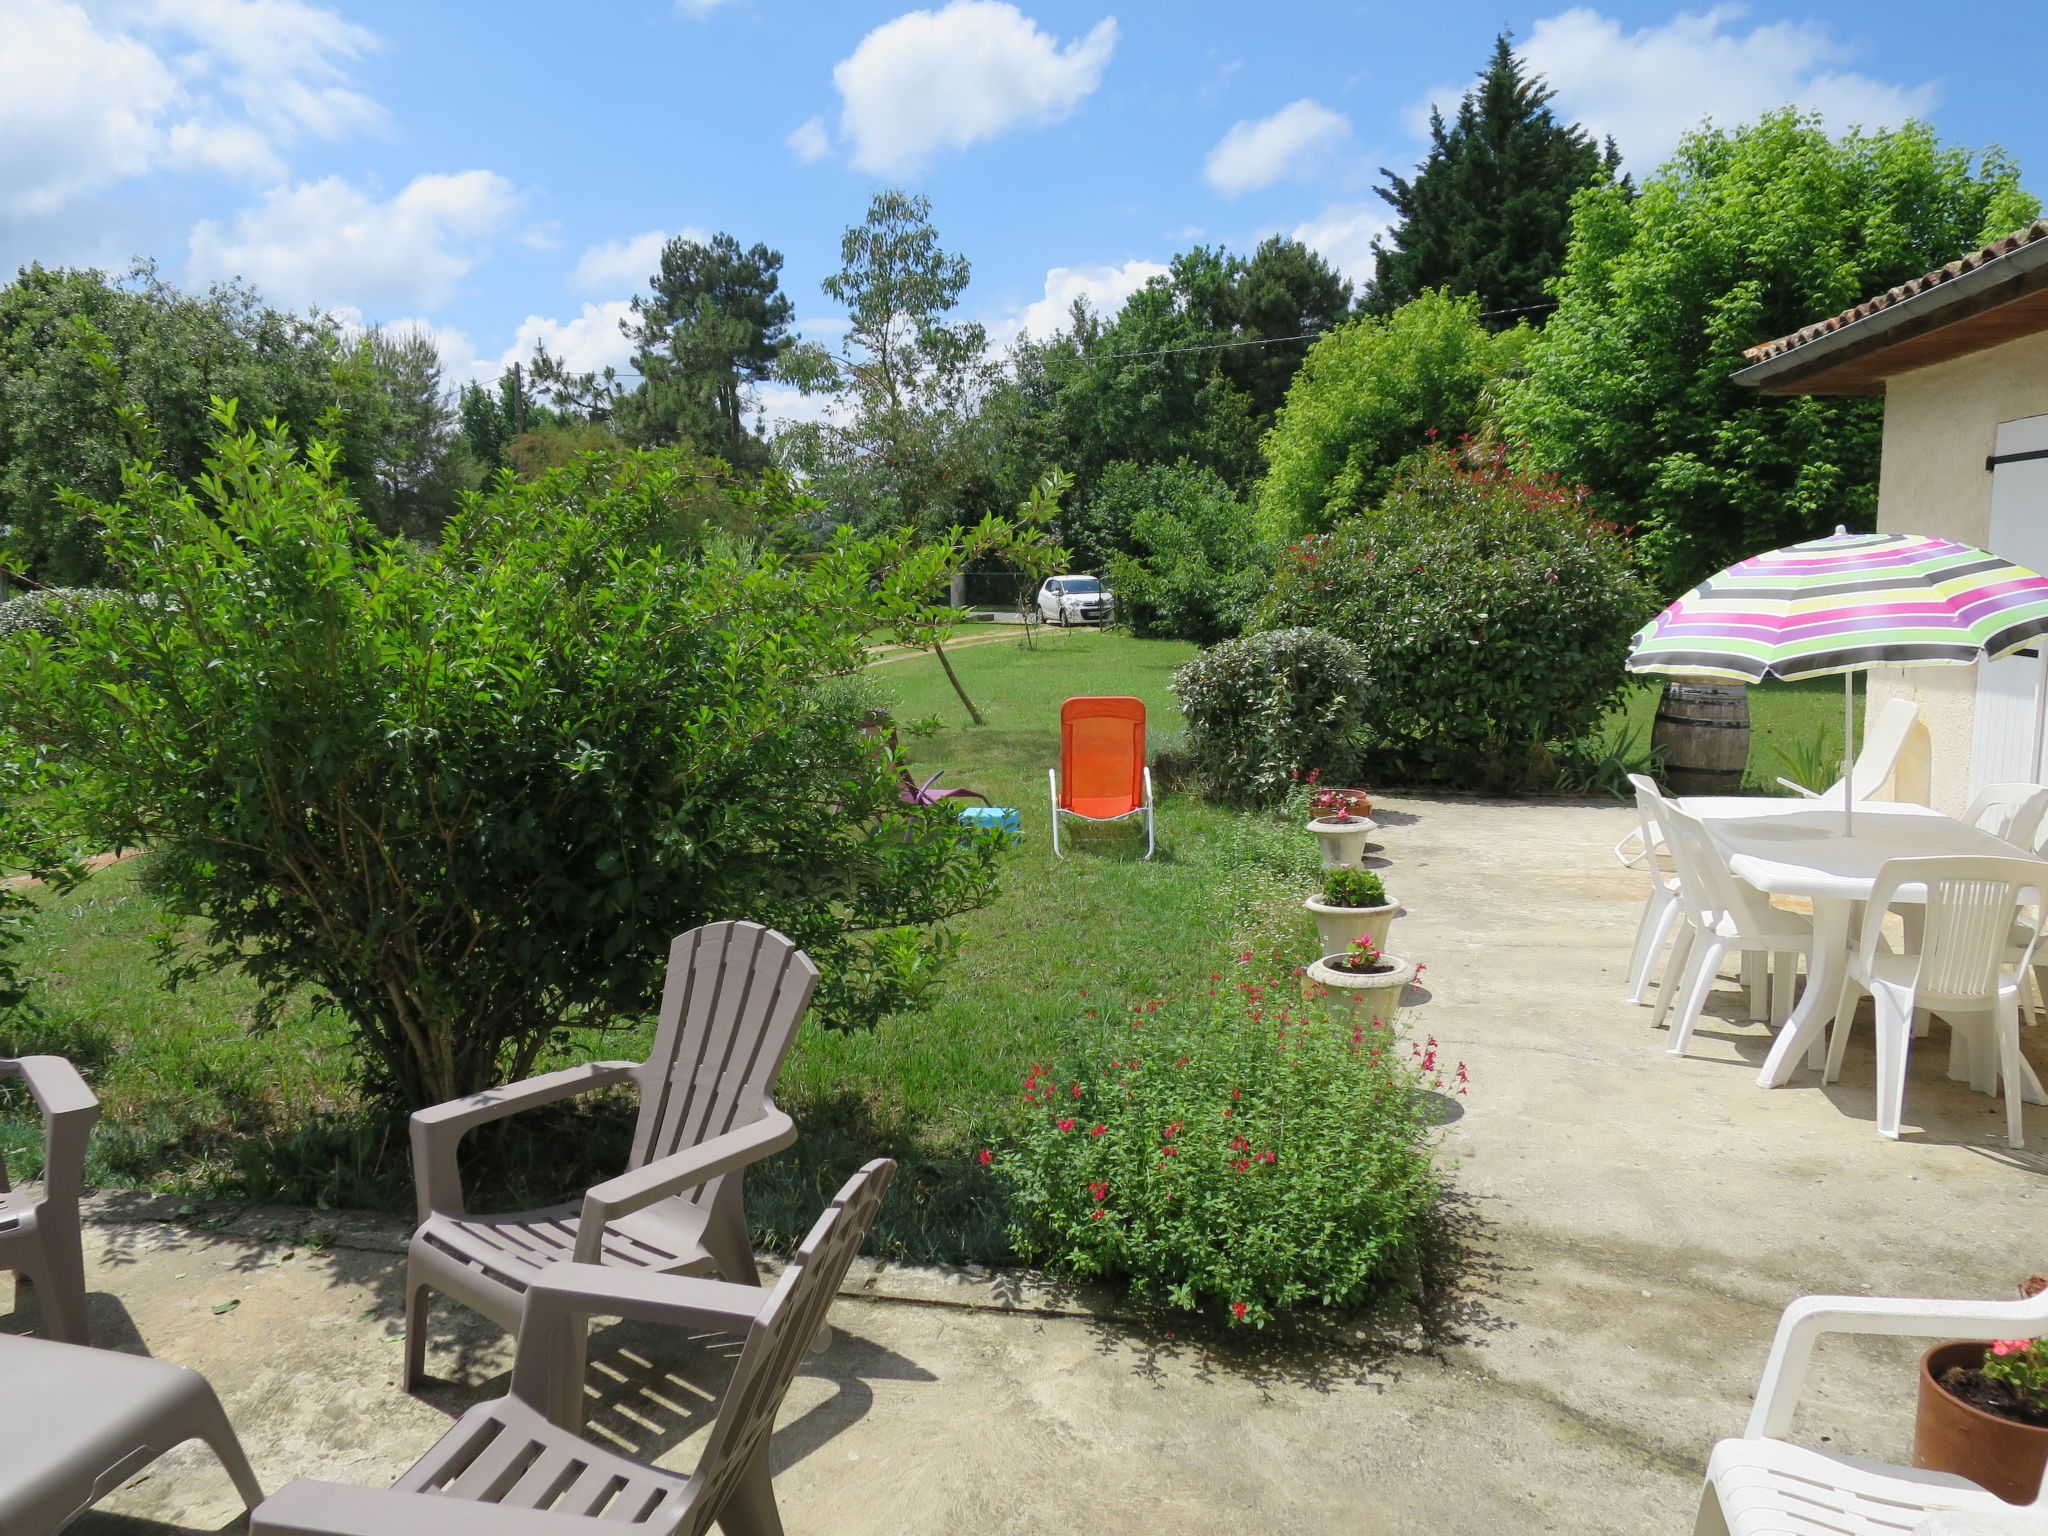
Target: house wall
<point>1939,423</point>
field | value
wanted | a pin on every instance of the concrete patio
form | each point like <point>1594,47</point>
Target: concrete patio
<point>1632,1223</point>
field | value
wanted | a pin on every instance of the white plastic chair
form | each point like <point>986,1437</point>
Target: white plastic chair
<point>1883,740</point>
<point>1722,916</point>
<point>2010,811</point>
<point>1762,1485</point>
<point>1644,849</point>
<point>1957,968</point>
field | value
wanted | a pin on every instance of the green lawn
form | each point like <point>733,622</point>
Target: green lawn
<point>197,1101</point>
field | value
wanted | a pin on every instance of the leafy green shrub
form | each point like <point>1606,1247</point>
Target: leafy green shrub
<point>467,795</point>
<point>50,612</point>
<point>1370,397</point>
<point>1189,567</point>
<point>1240,1153</point>
<point>1266,709</point>
<point>1496,608</point>
<point>1353,888</point>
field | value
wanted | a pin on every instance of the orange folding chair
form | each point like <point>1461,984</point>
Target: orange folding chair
<point>1102,774</point>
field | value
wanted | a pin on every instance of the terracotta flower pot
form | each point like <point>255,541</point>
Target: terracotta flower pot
<point>1357,801</point>
<point>1336,927</point>
<point>1376,994</point>
<point>1950,1435</point>
<point>1343,841</point>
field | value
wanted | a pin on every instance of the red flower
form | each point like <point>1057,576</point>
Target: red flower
<point>1077,1090</point>
<point>1173,1130</point>
<point>987,1156</point>
<point>1100,1213</point>
<point>1097,1130</point>
<point>1066,1125</point>
<point>1098,1193</point>
<point>1238,1309</point>
<point>1238,1143</point>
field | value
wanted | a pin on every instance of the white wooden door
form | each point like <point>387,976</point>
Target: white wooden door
<point>2007,715</point>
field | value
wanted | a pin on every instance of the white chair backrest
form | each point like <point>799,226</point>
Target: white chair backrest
<point>1644,847</point>
<point>1971,905</point>
<point>1883,740</point>
<point>2010,811</point>
<point>1704,884</point>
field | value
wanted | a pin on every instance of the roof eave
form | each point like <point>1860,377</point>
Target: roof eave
<point>1820,366</point>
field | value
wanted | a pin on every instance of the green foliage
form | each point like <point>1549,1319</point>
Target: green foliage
<point>1186,564</point>
<point>716,325</point>
<point>910,451</point>
<point>34,840</point>
<point>1265,710</point>
<point>1373,396</point>
<point>49,612</point>
<point>467,795</point>
<point>1495,608</point>
<point>1238,1153</point>
<point>1165,379</point>
<point>2021,1366</point>
<point>77,347</point>
<point>1745,235</point>
<point>1353,888</point>
<point>1489,211</point>
<point>1814,761</point>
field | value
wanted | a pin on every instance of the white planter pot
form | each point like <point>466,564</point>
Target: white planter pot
<point>1343,841</point>
<point>1336,927</point>
<point>1376,996</point>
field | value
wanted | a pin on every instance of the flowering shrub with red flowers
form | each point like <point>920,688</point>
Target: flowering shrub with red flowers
<point>1238,1151</point>
<point>1496,606</point>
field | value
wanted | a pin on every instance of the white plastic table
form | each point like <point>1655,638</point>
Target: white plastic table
<point>1801,851</point>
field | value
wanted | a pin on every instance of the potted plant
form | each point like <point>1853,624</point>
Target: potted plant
<point>1370,981</point>
<point>1341,829</point>
<point>1354,904</point>
<point>1983,1412</point>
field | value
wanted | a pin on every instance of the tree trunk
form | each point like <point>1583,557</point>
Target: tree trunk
<point>939,650</point>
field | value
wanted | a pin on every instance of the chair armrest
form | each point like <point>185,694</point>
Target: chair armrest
<point>1810,1318</point>
<point>308,1508</point>
<point>437,1132</point>
<point>70,1110</point>
<point>566,1291</point>
<point>1801,789</point>
<point>671,1175</point>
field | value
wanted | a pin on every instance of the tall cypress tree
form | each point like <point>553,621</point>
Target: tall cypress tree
<point>1489,210</point>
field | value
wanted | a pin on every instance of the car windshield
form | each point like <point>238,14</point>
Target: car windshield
<point>1080,586</point>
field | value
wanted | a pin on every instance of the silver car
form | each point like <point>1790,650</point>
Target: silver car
<point>1067,600</point>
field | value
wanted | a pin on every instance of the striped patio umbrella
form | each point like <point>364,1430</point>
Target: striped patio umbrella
<point>1843,603</point>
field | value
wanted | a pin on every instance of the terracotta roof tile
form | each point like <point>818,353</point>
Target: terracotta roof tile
<point>2038,230</point>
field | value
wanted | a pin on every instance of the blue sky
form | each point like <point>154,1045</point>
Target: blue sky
<point>502,173</point>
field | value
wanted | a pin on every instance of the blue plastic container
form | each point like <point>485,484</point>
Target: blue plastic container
<point>1000,818</point>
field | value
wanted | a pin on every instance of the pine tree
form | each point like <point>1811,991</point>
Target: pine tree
<point>1489,210</point>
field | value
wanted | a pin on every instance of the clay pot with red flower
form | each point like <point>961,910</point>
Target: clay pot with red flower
<point>1342,826</point>
<point>1371,982</point>
<point>1983,1413</point>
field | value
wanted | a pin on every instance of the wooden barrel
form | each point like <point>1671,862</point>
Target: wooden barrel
<point>1702,737</point>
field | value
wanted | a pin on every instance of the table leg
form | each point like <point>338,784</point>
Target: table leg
<point>1806,1030</point>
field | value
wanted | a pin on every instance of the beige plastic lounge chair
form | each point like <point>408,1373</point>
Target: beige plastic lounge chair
<point>39,1237</point>
<point>76,1423</point>
<point>729,1010</point>
<point>1883,740</point>
<point>505,1470</point>
<point>1762,1485</point>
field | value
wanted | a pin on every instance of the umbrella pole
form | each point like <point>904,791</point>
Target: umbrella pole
<point>2040,705</point>
<point>1848,748</point>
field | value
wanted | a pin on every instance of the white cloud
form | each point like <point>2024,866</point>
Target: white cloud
<point>329,242</point>
<point>1649,86</point>
<point>624,264</point>
<point>1258,153</point>
<point>1105,289</point>
<point>1343,234</point>
<point>784,405</point>
<point>808,141</point>
<point>698,7</point>
<point>945,79</point>
<point>94,96</point>
<point>587,343</point>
